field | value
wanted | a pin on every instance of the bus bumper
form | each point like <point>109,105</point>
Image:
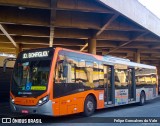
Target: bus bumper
<point>45,109</point>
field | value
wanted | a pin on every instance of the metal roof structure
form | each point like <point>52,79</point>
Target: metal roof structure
<point>119,30</point>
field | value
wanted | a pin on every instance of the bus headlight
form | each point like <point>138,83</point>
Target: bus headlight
<point>12,100</point>
<point>43,100</point>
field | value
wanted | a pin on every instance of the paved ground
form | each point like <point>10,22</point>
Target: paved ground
<point>151,109</point>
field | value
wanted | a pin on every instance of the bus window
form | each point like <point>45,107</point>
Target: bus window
<point>98,76</point>
<point>65,70</point>
<point>145,77</point>
<point>88,74</point>
<point>121,78</point>
<point>75,78</point>
<point>31,76</point>
<point>59,72</point>
<point>101,74</point>
<point>81,75</point>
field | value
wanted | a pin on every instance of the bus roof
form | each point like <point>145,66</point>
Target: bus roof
<point>115,60</point>
<point>111,60</point>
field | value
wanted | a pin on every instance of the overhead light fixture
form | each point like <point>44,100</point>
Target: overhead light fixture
<point>7,55</point>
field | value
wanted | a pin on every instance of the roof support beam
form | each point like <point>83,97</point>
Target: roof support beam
<point>126,43</point>
<point>106,25</point>
<point>18,50</point>
<point>102,29</point>
<point>52,21</point>
<point>83,48</point>
<point>25,3</point>
<point>8,36</point>
<point>82,5</point>
<point>138,56</point>
<point>51,39</point>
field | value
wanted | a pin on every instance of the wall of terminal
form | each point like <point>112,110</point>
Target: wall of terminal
<point>5,78</point>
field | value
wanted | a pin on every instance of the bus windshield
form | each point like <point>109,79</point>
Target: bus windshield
<point>30,77</point>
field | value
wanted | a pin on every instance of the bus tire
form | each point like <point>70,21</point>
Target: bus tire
<point>89,106</point>
<point>142,98</point>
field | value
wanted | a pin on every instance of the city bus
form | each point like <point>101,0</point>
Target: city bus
<point>58,81</point>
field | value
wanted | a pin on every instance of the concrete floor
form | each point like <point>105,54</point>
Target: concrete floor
<point>150,109</point>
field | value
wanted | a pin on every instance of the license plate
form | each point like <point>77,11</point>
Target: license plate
<point>25,111</point>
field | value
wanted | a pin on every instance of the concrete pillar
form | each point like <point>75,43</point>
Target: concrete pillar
<point>158,72</point>
<point>137,56</point>
<point>92,46</point>
<point>18,49</point>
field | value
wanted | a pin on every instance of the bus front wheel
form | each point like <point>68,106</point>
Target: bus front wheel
<point>142,99</point>
<point>89,106</point>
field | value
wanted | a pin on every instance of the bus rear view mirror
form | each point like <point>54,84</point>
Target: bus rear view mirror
<point>5,62</point>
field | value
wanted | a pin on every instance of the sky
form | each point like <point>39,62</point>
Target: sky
<point>152,5</point>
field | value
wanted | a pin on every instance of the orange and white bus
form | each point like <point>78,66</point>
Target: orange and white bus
<point>58,81</point>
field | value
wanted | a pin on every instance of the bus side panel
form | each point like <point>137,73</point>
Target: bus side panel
<point>148,92</point>
<point>55,107</point>
<point>121,97</point>
<point>75,103</point>
<point>138,92</point>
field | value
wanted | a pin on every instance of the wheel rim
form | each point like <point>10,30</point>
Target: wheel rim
<point>90,106</point>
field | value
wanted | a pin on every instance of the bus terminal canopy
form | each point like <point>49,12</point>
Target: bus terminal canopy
<point>120,27</point>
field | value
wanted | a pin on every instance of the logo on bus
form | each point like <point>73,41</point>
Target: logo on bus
<point>35,54</point>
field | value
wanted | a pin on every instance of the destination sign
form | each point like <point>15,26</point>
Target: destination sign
<point>35,54</point>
